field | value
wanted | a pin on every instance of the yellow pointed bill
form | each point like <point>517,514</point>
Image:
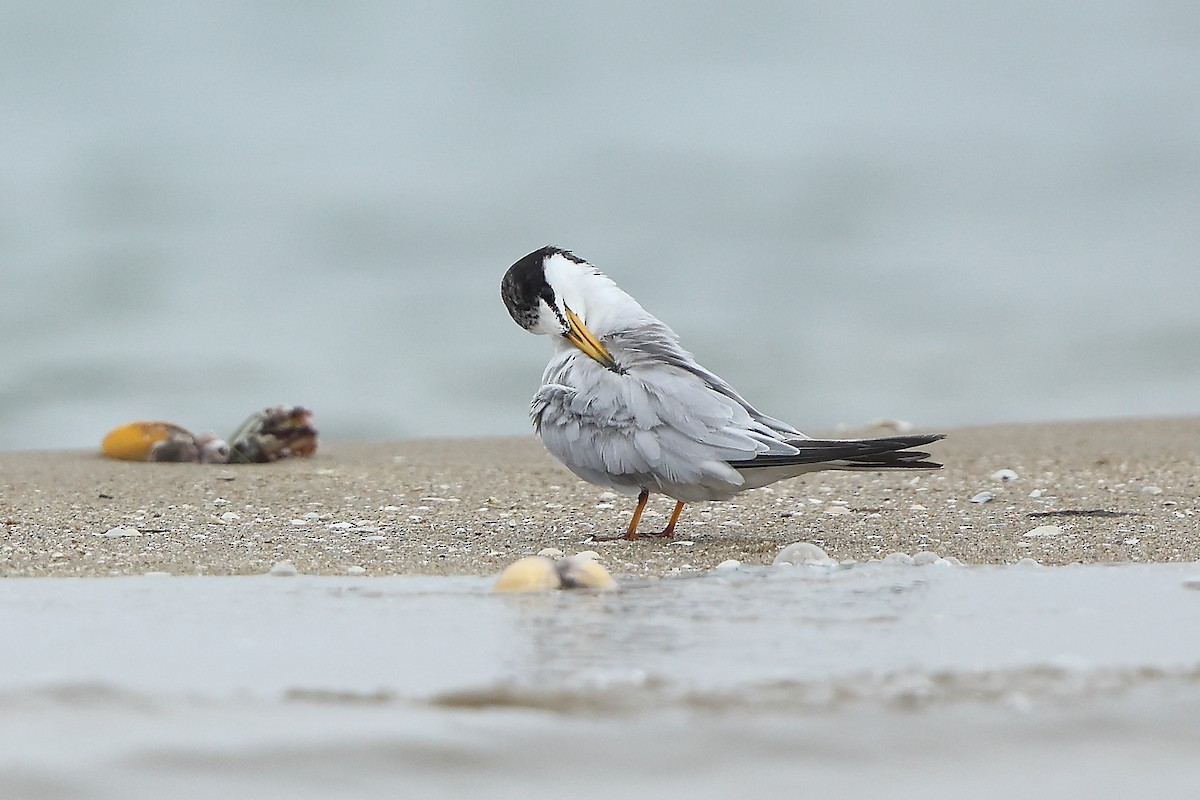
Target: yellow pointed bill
<point>578,335</point>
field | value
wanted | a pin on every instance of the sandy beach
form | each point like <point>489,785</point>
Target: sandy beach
<point>934,680</point>
<point>1114,491</point>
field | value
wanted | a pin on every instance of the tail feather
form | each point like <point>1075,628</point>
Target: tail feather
<point>889,452</point>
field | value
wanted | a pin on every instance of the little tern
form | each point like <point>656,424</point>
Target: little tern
<point>624,406</point>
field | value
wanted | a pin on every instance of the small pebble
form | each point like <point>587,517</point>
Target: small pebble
<point>1037,492</point>
<point>898,558</point>
<point>728,564</point>
<point>550,552</point>
<point>837,511</point>
<point>801,553</point>
<point>925,558</point>
<point>983,497</point>
<point>1044,531</point>
<point>356,570</point>
<point>230,516</point>
<point>1152,490</point>
<point>1004,475</point>
<point>284,569</point>
<point>683,542</point>
<point>1028,562</point>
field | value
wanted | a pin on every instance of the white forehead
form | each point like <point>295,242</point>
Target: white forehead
<point>565,275</point>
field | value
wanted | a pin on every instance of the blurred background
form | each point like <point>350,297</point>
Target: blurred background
<point>938,212</point>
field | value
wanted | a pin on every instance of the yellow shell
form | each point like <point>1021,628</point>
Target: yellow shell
<point>543,574</point>
<point>136,441</point>
<point>532,574</point>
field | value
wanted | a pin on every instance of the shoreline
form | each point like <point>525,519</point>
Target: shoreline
<point>1115,491</point>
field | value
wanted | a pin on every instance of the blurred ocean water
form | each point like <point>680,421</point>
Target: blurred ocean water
<point>936,212</point>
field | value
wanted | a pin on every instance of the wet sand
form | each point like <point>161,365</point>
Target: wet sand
<point>1116,491</point>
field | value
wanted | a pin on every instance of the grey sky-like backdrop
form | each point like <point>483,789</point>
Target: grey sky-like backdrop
<point>940,212</point>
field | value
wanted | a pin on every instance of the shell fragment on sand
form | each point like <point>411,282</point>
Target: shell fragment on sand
<point>162,441</point>
<point>1043,531</point>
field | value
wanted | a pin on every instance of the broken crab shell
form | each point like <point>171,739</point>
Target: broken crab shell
<point>272,434</point>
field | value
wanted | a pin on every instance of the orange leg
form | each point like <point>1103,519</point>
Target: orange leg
<point>631,533</point>
<point>667,532</point>
<point>670,529</point>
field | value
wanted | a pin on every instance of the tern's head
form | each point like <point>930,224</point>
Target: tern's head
<point>554,292</point>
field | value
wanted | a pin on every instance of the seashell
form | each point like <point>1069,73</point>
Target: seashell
<point>543,574</point>
<point>162,441</point>
<point>272,434</point>
<point>532,574</point>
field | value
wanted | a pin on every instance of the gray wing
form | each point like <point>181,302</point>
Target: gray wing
<point>659,344</point>
<point>664,423</point>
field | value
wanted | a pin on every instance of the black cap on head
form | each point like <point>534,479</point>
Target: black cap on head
<point>525,283</point>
